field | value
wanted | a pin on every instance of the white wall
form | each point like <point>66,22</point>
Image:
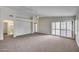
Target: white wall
<point>1,30</point>
<point>77,29</point>
<point>22,26</point>
<point>45,23</point>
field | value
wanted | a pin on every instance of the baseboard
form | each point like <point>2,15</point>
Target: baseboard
<point>56,35</point>
<point>29,34</point>
<point>1,39</point>
<point>42,33</point>
<point>22,35</point>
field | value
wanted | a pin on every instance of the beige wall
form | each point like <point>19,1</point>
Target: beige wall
<point>44,23</point>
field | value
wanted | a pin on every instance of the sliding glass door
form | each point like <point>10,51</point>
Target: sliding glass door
<point>62,28</point>
<point>53,28</point>
<point>69,29</point>
<point>57,28</point>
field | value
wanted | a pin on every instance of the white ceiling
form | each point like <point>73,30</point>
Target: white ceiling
<point>47,10</point>
<point>23,11</point>
<point>56,10</point>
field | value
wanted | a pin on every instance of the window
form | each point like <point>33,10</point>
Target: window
<point>62,28</point>
<point>63,33</point>
<point>69,29</point>
<point>69,34</point>
<point>53,32</point>
<point>53,25</point>
<point>63,25</point>
<point>57,28</point>
<point>57,25</point>
<point>53,28</point>
<point>69,25</point>
<point>57,32</point>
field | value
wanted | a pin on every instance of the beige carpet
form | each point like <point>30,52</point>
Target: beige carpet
<point>38,43</point>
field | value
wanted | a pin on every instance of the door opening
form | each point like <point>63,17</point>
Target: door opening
<point>8,29</point>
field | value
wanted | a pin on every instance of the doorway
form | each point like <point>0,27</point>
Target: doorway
<point>8,29</point>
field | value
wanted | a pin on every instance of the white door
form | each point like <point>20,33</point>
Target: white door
<point>35,27</point>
